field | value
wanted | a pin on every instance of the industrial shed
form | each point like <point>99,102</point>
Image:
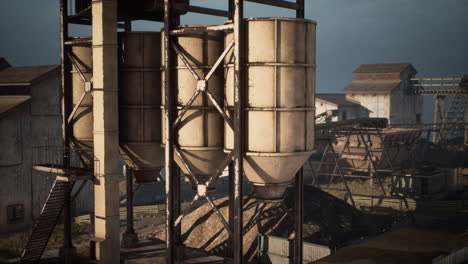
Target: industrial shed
<point>29,119</point>
<point>386,91</point>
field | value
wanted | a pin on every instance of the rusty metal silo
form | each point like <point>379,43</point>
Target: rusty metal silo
<point>82,119</point>
<point>140,103</point>
<point>278,102</point>
<point>200,130</point>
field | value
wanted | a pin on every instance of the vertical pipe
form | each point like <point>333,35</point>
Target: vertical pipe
<point>298,217</point>
<point>65,112</point>
<point>129,177</point>
<point>231,9</point>
<point>300,11</point>
<point>238,129</point>
<point>169,167</point>
<point>299,193</point>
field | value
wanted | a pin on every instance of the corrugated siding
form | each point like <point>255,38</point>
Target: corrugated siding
<point>281,250</point>
<point>457,257</point>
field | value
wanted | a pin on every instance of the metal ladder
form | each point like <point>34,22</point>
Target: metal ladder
<point>46,222</point>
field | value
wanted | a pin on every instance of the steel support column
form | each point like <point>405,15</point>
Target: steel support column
<point>299,188</point>
<point>67,251</point>
<point>298,217</point>
<point>170,169</point>
<point>129,177</point>
<point>238,130</point>
<point>129,237</point>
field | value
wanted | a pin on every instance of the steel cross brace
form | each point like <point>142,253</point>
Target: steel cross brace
<point>202,187</point>
<point>201,84</point>
<point>87,88</point>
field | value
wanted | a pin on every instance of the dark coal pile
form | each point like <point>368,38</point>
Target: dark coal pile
<point>327,221</point>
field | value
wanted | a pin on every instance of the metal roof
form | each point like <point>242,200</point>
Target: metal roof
<point>372,85</point>
<point>382,68</point>
<point>336,99</point>
<point>23,75</point>
<point>8,102</point>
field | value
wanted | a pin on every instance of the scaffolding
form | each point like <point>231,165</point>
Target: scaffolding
<point>357,149</point>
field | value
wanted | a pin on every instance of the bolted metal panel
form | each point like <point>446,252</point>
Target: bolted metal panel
<point>200,131</point>
<point>82,120</point>
<point>278,102</point>
<point>140,103</point>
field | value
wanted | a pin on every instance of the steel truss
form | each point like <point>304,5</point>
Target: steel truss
<point>330,164</point>
<point>449,122</point>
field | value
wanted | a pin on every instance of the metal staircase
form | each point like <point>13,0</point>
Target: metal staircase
<point>46,222</point>
<point>454,119</point>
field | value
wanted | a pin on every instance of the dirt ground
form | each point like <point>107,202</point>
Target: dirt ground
<point>328,220</point>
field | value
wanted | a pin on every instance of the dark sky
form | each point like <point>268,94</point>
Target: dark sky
<point>431,34</point>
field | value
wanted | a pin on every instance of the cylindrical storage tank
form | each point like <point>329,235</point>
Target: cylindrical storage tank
<point>278,101</point>
<point>200,133</point>
<point>140,103</point>
<point>82,121</point>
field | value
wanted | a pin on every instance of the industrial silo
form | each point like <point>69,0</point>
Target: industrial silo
<point>140,103</point>
<point>82,120</point>
<point>278,101</point>
<point>200,131</point>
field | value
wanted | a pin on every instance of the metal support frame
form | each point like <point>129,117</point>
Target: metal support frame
<point>66,102</point>
<point>128,173</point>
<point>234,225</point>
<point>299,186</point>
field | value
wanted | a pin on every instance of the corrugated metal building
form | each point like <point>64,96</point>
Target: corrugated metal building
<point>29,118</point>
<point>386,91</point>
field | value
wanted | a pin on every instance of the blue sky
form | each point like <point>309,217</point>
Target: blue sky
<point>431,34</point>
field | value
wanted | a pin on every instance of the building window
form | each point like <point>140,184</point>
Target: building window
<point>15,213</point>
<point>344,117</point>
<point>418,118</point>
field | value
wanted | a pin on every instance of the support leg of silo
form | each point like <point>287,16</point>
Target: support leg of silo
<point>129,237</point>
<point>237,237</point>
<point>298,217</point>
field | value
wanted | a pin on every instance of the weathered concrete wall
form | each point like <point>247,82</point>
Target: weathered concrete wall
<point>378,104</point>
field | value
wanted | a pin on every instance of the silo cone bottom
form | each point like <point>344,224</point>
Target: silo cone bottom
<point>202,179</point>
<point>147,175</point>
<point>145,159</point>
<point>270,192</point>
<point>271,173</point>
<point>203,162</point>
